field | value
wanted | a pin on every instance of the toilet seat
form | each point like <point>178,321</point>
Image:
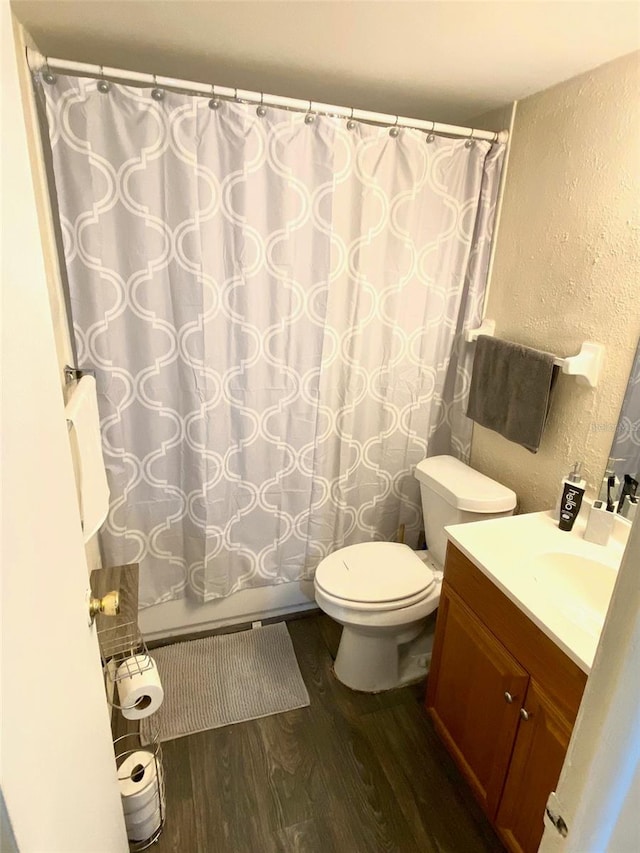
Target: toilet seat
<point>374,576</point>
<point>384,606</point>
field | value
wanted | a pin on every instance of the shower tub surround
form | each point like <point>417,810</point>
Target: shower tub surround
<point>184,616</point>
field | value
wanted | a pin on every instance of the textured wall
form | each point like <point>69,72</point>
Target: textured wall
<point>567,267</point>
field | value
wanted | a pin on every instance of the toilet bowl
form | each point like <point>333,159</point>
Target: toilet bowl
<point>383,592</point>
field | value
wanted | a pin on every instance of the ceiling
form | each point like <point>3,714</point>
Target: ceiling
<point>446,61</point>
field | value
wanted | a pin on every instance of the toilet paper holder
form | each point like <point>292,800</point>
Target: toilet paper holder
<point>129,745</point>
<point>124,654</point>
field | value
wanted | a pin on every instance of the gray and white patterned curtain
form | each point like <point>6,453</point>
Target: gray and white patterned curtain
<point>626,442</point>
<point>274,312</point>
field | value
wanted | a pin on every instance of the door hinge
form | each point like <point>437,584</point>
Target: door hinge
<point>553,813</point>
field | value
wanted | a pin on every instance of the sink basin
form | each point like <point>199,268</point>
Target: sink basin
<point>579,587</point>
<point>559,579</point>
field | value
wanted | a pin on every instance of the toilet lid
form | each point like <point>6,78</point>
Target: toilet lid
<point>374,572</point>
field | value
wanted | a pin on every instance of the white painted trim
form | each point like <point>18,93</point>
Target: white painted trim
<point>44,202</point>
<point>599,788</point>
<point>501,190</point>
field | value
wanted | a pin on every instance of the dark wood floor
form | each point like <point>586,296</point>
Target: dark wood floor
<point>352,773</point>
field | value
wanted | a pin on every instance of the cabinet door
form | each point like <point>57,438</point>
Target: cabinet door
<point>535,767</point>
<point>476,689</point>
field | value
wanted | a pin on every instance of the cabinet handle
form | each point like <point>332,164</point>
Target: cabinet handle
<point>524,714</point>
<point>508,697</point>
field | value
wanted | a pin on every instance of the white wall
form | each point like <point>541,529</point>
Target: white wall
<point>567,267</point>
<point>498,119</point>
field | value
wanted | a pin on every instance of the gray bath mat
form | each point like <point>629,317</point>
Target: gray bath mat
<point>226,679</point>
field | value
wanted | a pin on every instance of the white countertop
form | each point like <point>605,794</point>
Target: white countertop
<point>509,550</point>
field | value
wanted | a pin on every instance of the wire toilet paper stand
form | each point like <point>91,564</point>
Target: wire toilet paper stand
<point>139,765</point>
<point>134,762</point>
<point>124,655</point>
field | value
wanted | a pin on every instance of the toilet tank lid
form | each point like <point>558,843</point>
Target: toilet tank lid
<point>464,487</point>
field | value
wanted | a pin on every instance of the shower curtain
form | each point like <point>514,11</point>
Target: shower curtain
<point>274,309</point>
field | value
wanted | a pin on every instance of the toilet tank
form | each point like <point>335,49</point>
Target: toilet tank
<point>454,493</point>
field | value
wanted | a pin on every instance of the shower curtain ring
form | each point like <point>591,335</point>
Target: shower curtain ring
<point>262,110</point>
<point>47,74</point>
<point>351,123</point>
<point>156,93</point>
<point>469,141</point>
<point>394,131</point>
<point>309,118</point>
<point>103,85</point>
<point>214,102</point>
<point>431,135</point>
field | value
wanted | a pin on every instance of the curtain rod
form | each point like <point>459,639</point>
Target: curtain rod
<point>37,62</point>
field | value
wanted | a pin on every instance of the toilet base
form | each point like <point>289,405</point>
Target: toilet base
<point>372,661</point>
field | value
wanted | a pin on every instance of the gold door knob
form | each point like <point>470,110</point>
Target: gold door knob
<point>108,605</point>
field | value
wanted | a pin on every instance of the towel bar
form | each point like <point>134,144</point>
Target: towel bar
<point>585,366</point>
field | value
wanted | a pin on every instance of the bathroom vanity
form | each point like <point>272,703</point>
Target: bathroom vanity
<point>519,620</point>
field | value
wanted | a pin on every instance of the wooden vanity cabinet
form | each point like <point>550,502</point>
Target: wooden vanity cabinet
<point>474,673</point>
<point>503,698</point>
<point>534,769</point>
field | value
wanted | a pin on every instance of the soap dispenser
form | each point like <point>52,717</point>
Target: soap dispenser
<point>573,487</point>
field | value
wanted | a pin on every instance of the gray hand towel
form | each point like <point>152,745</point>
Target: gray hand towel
<point>511,390</point>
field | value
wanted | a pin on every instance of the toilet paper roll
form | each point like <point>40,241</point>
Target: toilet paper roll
<point>143,815</point>
<point>140,778</point>
<point>139,687</point>
<point>144,831</point>
<point>142,795</point>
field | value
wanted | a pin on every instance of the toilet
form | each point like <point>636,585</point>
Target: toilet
<point>383,592</point>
